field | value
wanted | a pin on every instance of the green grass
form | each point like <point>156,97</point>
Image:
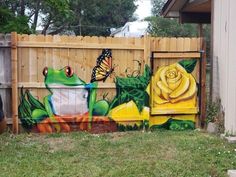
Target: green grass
<point>132,154</point>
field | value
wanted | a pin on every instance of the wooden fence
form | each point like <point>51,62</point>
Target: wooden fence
<point>31,53</point>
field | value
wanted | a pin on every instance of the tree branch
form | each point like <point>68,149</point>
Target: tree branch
<point>47,25</point>
<point>36,14</point>
<point>58,30</point>
<point>22,7</point>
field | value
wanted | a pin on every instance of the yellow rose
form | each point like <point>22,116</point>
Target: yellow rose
<point>173,84</point>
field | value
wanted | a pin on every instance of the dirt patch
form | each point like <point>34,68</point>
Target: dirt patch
<point>115,136</point>
<point>61,143</point>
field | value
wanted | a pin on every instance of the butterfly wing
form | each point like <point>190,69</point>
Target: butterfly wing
<point>104,66</point>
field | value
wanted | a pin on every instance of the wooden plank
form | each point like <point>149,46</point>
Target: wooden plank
<point>173,44</point>
<point>139,55</point>
<point>23,55</point>
<point>72,55</point>
<point>27,44</point>
<point>80,54</point>
<point>56,54</point>
<point>14,82</point>
<point>64,52</point>
<point>87,58</point>
<point>33,64</point>
<point>203,96</point>
<point>177,55</point>
<point>187,44</point>
<point>147,50</point>
<point>5,74</point>
<point>156,111</point>
<point>40,64</point>
<point>180,44</point>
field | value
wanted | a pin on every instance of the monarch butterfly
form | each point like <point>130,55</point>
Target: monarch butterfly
<point>103,66</point>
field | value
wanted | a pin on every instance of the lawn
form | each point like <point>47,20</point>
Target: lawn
<point>157,153</point>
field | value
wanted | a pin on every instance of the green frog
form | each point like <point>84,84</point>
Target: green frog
<point>69,95</point>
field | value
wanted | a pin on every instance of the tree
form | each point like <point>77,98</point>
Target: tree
<point>163,27</point>
<point>96,17</point>
<point>168,27</point>
<point>157,6</point>
<point>90,17</point>
<point>11,22</point>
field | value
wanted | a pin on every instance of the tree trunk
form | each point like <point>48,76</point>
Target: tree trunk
<point>22,7</point>
<point>36,14</point>
<point>44,31</point>
<point>58,30</point>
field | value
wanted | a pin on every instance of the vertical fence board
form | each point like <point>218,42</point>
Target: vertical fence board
<point>14,61</point>
<point>5,73</point>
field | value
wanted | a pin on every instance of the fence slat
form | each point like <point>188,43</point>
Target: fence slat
<point>14,82</point>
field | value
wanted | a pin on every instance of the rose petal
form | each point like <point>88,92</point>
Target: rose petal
<point>159,100</point>
<point>190,93</point>
<point>157,75</point>
<point>163,87</point>
<point>173,86</point>
<point>184,85</point>
<point>163,75</point>
<point>174,80</point>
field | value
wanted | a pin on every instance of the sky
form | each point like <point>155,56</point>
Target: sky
<point>144,9</point>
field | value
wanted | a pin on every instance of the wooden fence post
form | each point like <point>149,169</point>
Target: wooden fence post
<point>147,49</point>
<point>203,85</point>
<point>14,82</point>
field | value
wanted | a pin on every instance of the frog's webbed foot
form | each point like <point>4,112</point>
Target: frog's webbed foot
<point>39,115</point>
<point>55,123</point>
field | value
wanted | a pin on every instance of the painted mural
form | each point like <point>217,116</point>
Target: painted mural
<point>175,92</point>
<point>72,105</point>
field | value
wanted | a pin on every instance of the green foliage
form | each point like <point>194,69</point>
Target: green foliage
<point>9,22</point>
<point>26,110</point>
<point>165,27</point>
<point>182,125</point>
<point>173,124</point>
<point>133,88</point>
<point>123,128</point>
<point>96,17</point>
<point>157,6</point>
<point>35,104</point>
<point>91,17</point>
<point>188,65</point>
<point>58,15</point>
<point>212,111</point>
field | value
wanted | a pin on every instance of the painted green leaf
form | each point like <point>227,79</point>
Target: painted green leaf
<point>133,88</point>
<point>188,65</point>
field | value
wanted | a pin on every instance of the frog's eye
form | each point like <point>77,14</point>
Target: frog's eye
<point>45,71</point>
<point>69,71</point>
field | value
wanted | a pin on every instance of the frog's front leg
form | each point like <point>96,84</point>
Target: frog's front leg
<point>92,98</point>
<point>97,108</point>
<point>48,107</point>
